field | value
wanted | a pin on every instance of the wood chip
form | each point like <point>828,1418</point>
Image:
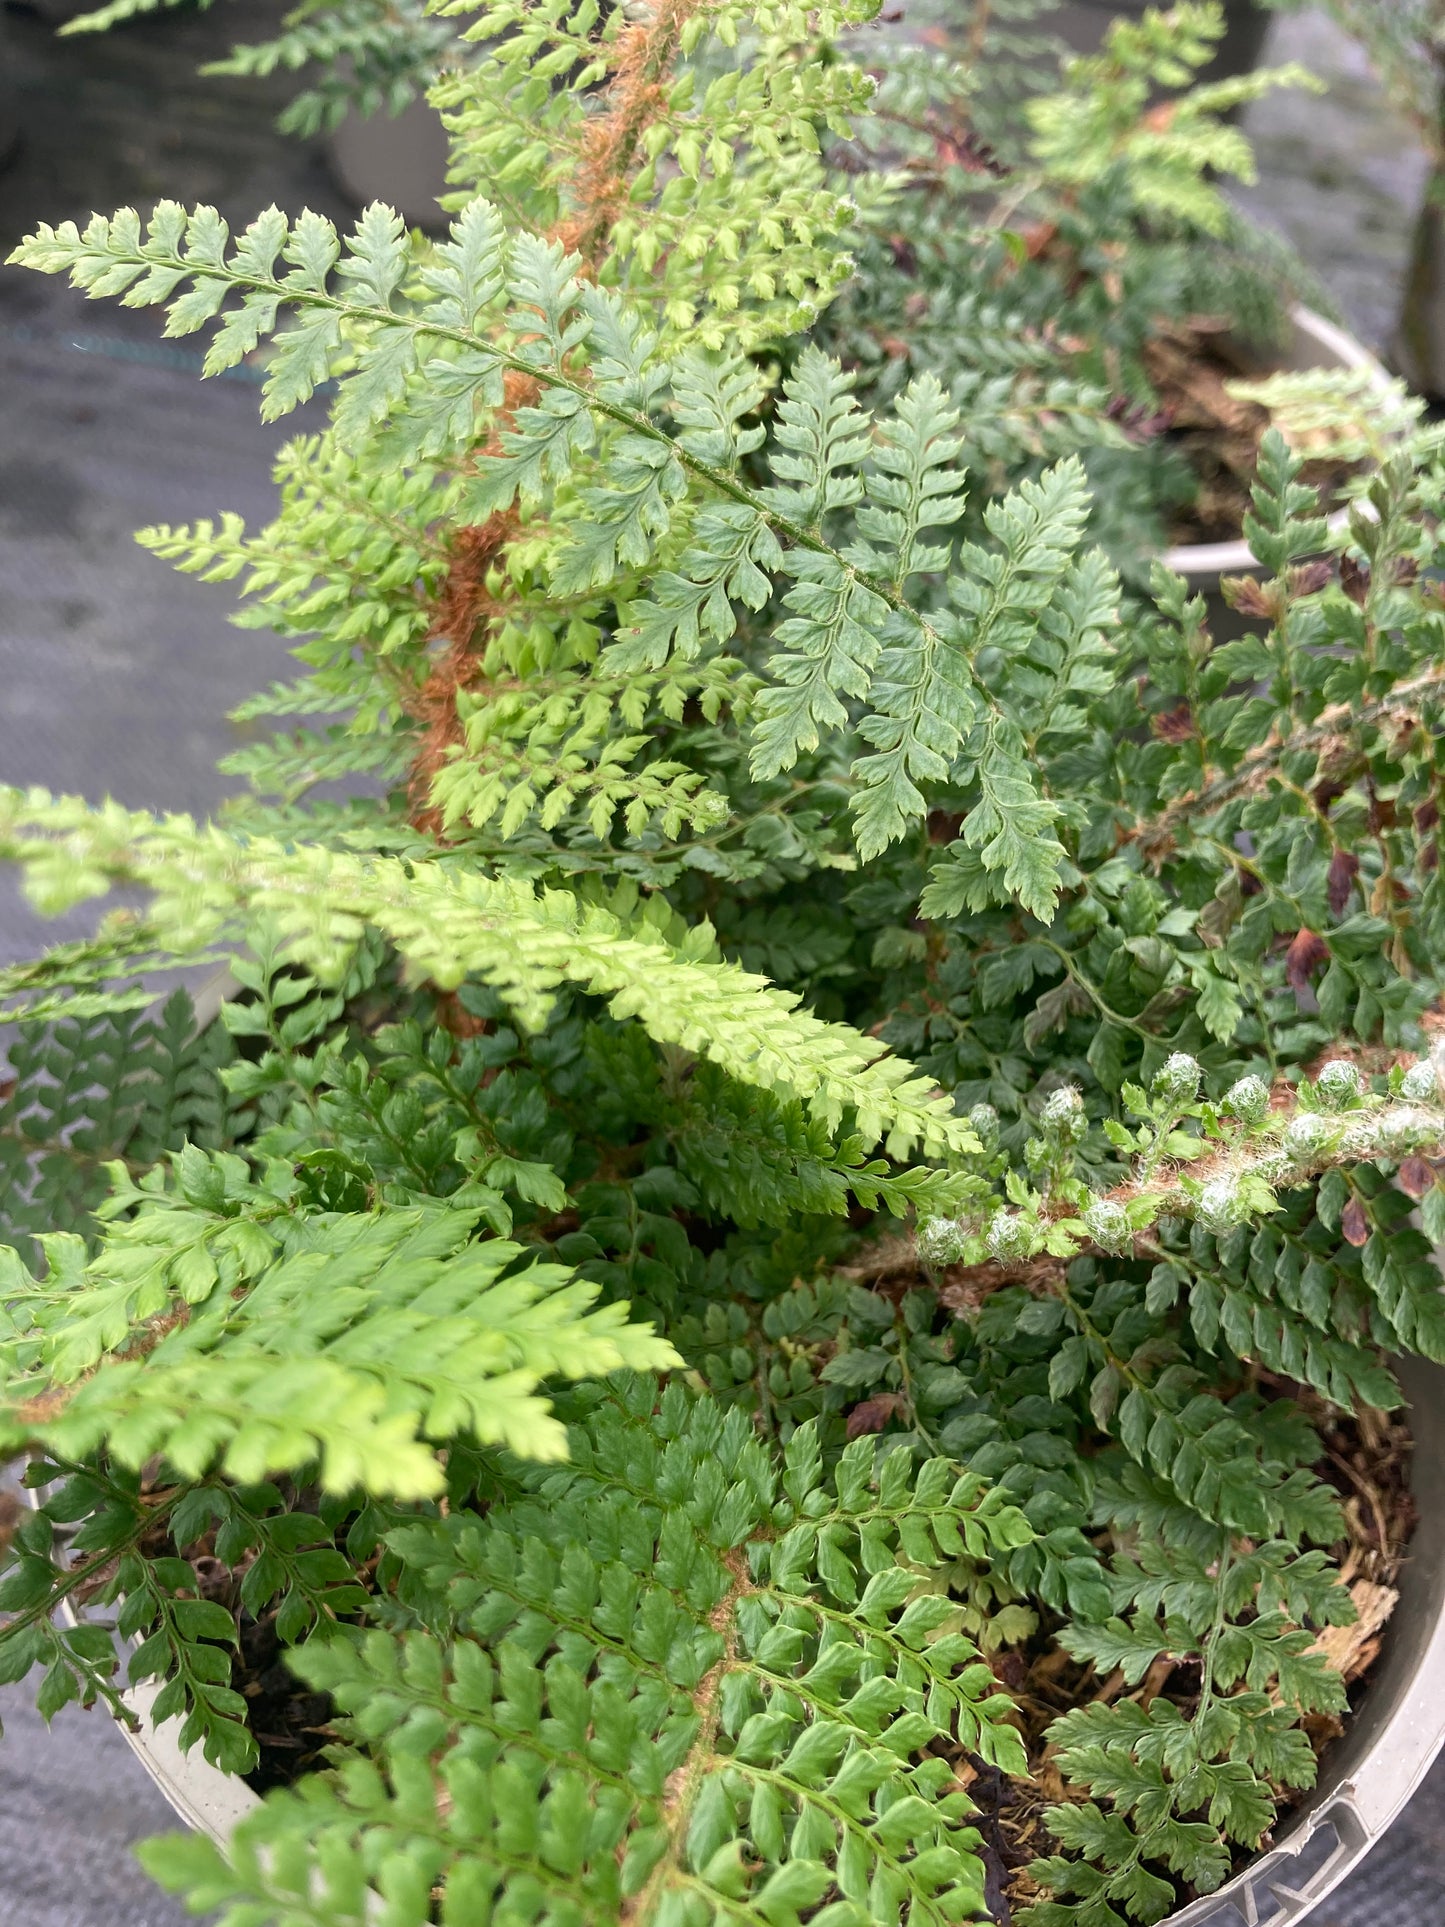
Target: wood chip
<point>1350,1649</point>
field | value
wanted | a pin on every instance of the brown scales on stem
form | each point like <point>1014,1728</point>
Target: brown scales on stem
<point>636,99</point>
<point>685,1783</point>
<point>468,610</point>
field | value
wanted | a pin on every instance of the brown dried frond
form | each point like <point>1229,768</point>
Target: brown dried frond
<point>1157,843</point>
<point>155,1329</point>
<point>1353,1649</point>
<point>873,1414</point>
<point>453,1015</point>
<point>965,1287</point>
<point>1174,725</point>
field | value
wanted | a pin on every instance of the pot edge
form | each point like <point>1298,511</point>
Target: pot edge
<point>1318,343</point>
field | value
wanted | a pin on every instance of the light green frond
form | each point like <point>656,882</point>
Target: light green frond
<point>913,484</point>
<point>732,556</point>
<point>449,922</point>
<point>272,1345</point>
<point>1098,121</point>
<point>828,646</point>
<point>821,439</point>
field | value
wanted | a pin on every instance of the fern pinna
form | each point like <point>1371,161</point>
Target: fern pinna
<point>829,1125</point>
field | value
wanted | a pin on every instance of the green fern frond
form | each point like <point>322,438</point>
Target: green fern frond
<point>914,484</point>
<point>720,211</point>
<point>1158,1766</point>
<point>732,1680</point>
<point>93,1086</point>
<point>274,1343</point>
<point>451,922</point>
<point>924,702</point>
<point>1098,120</point>
<point>115,13</point>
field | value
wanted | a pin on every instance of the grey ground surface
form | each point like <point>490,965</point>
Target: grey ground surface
<point>115,674</point>
<point>1339,176</point>
<point>72,1801</point>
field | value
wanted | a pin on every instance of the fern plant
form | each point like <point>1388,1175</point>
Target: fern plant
<point>751,1752</point>
<point>833,1111</point>
<point>1046,233</point>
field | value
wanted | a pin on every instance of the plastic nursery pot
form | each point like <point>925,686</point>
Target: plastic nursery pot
<point>1366,1777</point>
<point>1314,343</point>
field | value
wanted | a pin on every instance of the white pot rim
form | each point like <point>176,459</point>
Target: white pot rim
<point>1319,344</point>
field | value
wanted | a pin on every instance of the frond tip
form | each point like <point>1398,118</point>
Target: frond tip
<point>450,922</point>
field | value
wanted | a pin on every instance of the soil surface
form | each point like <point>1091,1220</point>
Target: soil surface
<point>1191,367</point>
